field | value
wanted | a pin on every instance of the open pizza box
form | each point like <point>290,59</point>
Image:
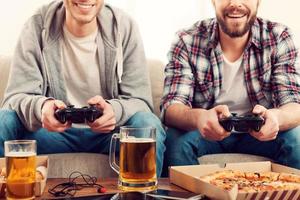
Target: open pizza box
<point>188,177</point>
<point>39,185</point>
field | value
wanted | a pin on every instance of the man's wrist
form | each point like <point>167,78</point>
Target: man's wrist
<point>46,101</point>
<point>277,113</point>
<point>195,115</point>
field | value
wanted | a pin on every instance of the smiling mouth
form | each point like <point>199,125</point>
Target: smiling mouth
<point>84,6</point>
<point>235,13</point>
<point>236,16</point>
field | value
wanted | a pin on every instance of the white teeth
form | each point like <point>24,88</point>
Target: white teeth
<point>236,16</point>
<point>84,6</point>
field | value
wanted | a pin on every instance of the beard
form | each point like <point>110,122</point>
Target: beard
<point>234,30</point>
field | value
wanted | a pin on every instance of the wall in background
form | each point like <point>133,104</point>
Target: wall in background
<point>13,15</point>
<point>158,19</point>
<point>286,12</point>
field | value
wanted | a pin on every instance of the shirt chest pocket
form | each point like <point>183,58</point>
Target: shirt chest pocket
<point>264,77</point>
<point>204,85</point>
<point>204,91</point>
<point>261,84</point>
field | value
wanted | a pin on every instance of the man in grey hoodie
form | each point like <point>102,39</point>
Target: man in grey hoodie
<point>78,52</point>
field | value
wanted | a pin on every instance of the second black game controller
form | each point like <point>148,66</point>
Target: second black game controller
<point>78,115</point>
<point>242,123</point>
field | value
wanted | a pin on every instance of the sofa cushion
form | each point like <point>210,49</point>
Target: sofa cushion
<point>156,69</point>
<point>4,72</point>
<point>61,165</point>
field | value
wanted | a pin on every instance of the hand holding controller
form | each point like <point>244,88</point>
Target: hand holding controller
<point>78,115</point>
<point>242,123</point>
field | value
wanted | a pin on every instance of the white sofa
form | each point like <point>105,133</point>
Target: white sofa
<point>61,165</point>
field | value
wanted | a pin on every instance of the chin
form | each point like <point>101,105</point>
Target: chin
<point>85,19</point>
<point>236,30</point>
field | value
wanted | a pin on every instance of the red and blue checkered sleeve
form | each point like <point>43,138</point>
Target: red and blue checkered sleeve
<point>179,79</point>
<point>286,77</point>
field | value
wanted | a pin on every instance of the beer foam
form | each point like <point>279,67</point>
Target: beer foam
<point>132,139</point>
<point>20,154</point>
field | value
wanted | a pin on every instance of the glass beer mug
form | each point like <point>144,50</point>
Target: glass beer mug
<point>137,158</point>
<point>20,156</point>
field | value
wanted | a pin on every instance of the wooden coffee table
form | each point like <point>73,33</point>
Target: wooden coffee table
<point>109,183</point>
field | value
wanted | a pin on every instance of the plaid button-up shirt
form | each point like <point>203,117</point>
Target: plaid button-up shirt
<point>270,63</point>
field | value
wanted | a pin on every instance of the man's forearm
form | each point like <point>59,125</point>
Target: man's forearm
<point>288,116</point>
<point>182,117</point>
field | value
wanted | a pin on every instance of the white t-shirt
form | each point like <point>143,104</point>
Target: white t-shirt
<point>80,64</point>
<point>234,93</point>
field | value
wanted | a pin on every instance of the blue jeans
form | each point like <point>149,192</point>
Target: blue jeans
<point>76,139</point>
<point>183,148</point>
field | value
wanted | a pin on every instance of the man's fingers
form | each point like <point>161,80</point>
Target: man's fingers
<point>214,134</point>
<point>49,121</point>
<point>210,127</point>
<point>59,104</point>
<point>104,128</point>
<point>258,109</point>
<point>222,110</point>
<point>262,137</point>
<point>99,123</point>
<point>219,132</point>
<point>104,118</point>
<point>53,125</point>
<point>269,126</point>
<point>96,100</point>
<point>268,131</point>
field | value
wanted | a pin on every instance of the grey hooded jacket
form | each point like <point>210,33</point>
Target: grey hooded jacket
<point>36,73</point>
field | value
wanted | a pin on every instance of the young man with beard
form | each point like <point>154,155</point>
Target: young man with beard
<point>78,52</point>
<point>236,63</point>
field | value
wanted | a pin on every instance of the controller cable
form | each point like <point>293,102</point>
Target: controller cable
<point>69,188</point>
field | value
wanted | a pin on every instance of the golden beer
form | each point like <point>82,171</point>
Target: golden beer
<point>138,162</point>
<point>20,170</point>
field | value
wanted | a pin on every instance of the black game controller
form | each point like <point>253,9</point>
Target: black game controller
<point>78,115</point>
<point>242,123</point>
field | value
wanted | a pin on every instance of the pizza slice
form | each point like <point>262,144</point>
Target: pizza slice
<point>262,176</point>
<point>289,177</point>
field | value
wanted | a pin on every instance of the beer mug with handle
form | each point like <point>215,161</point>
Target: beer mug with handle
<point>137,158</point>
<point>20,158</point>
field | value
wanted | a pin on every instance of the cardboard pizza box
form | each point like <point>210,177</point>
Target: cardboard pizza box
<point>39,185</point>
<point>188,177</point>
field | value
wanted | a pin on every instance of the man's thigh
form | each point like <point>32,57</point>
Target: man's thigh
<point>72,140</point>
<point>285,149</point>
<point>289,147</point>
<point>181,143</point>
<point>11,127</point>
<point>247,144</point>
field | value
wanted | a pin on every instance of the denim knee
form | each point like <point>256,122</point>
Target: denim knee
<point>181,147</point>
<point>147,119</point>
<point>10,126</point>
<point>290,147</point>
<point>142,119</point>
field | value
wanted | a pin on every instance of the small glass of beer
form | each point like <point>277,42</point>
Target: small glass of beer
<point>137,154</point>
<point>20,169</point>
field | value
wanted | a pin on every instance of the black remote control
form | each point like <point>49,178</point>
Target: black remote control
<point>242,123</point>
<point>78,115</point>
